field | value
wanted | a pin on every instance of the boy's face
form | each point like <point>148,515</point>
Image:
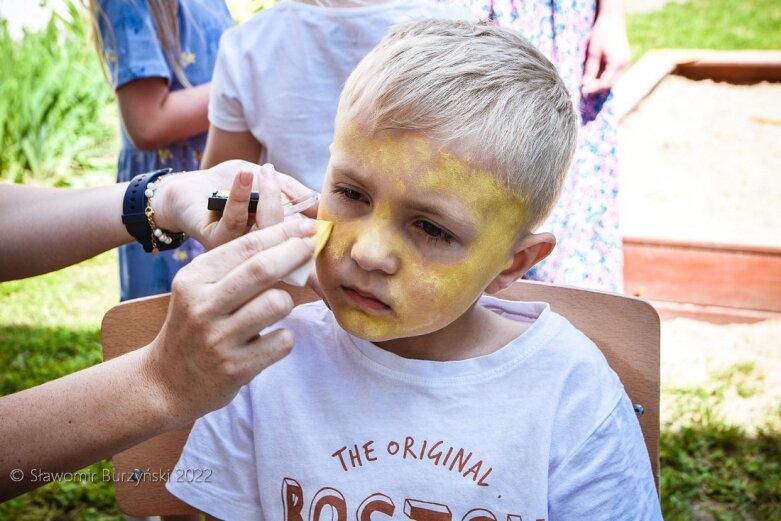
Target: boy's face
<point>418,234</point>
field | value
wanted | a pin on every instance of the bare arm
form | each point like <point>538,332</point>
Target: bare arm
<point>608,50</point>
<point>154,117</point>
<point>44,229</point>
<point>222,145</point>
<point>68,423</point>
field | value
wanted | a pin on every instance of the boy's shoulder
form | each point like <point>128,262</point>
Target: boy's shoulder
<point>549,334</point>
<point>554,351</point>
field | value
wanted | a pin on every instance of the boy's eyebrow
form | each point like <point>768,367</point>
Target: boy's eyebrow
<point>443,211</point>
<point>347,172</point>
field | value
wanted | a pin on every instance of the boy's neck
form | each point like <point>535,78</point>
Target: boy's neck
<point>478,332</point>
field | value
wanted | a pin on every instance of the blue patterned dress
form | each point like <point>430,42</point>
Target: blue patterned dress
<point>132,51</point>
<point>585,221</point>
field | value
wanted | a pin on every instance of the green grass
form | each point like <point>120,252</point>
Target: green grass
<point>707,24</point>
<point>717,471</point>
<point>50,327</point>
<point>712,469</point>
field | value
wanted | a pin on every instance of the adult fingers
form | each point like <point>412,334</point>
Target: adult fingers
<point>270,201</point>
<point>233,222</point>
<point>260,312</point>
<point>311,212</point>
<point>216,264</point>
<point>294,190</point>
<point>264,351</point>
<point>260,272</point>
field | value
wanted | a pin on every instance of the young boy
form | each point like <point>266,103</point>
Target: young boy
<point>411,395</point>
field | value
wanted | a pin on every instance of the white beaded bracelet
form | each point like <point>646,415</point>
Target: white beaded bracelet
<point>158,234</point>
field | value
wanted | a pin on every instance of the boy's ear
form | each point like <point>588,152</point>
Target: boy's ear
<point>530,250</point>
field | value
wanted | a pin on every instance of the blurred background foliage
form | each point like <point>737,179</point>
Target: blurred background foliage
<point>56,121</point>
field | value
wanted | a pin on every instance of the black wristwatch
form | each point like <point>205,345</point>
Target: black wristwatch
<point>134,206</point>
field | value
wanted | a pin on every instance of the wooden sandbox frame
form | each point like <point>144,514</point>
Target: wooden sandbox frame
<point>719,283</point>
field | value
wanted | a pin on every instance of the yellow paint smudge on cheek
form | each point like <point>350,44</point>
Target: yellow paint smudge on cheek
<point>435,297</point>
<point>384,327</point>
<point>430,295</point>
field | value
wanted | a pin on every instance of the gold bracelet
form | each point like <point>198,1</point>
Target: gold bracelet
<point>158,234</point>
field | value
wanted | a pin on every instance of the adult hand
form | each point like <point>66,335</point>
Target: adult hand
<point>218,305</point>
<point>181,200</point>
<point>608,51</point>
<point>207,348</point>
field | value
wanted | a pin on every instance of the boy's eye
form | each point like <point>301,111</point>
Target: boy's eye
<point>348,193</point>
<point>434,232</point>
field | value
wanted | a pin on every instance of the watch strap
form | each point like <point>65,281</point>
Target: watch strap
<point>134,205</point>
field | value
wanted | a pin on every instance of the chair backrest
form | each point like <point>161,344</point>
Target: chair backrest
<point>626,329</point>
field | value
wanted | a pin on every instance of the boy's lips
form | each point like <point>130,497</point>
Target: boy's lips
<point>364,299</point>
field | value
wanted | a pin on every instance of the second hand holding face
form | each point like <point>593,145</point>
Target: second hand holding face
<point>218,305</point>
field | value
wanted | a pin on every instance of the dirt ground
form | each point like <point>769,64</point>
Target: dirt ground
<point>701,355</point>
<point>701,161</point>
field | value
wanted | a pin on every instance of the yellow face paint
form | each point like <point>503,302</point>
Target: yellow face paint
<point>321,235</point>
<point>300,275</point>
<point>418,234</point>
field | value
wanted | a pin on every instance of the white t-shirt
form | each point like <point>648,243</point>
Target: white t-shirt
<point>279,75</point>
<point>539,430</point>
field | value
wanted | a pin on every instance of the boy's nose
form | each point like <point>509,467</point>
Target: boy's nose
<point>372,249</point>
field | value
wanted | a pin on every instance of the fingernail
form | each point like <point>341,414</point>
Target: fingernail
<point>245,179</point>
<point>307,225</point>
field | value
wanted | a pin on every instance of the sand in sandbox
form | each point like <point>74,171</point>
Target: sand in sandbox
<point>701,161</point>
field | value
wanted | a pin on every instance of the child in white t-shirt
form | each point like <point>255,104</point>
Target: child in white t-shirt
<point>278,77</point>
<point>412,395</point>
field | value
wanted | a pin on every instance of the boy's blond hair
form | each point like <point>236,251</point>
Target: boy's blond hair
<point>482,91</point>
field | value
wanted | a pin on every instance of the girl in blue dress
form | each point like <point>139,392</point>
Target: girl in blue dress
<point>159,55</point>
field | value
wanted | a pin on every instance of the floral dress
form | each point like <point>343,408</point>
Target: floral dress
<point>585,221</point>
<point>132,51</point>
